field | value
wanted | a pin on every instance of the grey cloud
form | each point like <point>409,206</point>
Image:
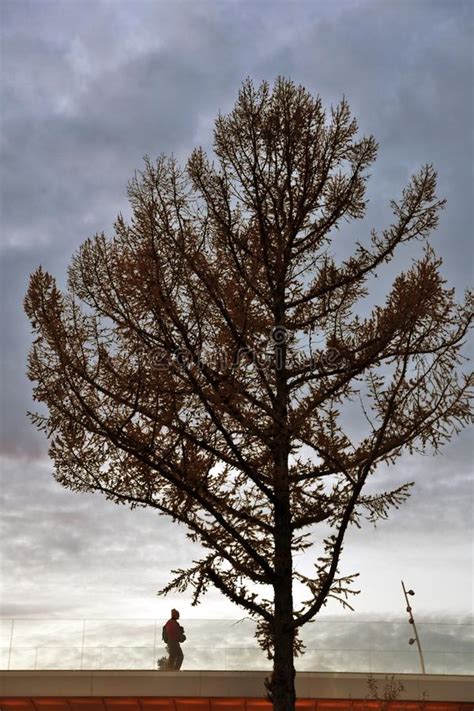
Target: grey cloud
<point>443,491</point>
<point>76,547</point>
<point>62,162</point>
<point>88,88</point>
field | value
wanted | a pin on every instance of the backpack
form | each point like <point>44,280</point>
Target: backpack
<point>164,635</point>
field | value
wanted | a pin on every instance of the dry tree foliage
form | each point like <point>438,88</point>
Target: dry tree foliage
<point>200,361</point>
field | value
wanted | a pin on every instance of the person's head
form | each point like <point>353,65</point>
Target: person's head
<point>174,614</point>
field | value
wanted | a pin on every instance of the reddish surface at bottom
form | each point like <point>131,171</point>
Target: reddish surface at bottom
<point>43,703</point>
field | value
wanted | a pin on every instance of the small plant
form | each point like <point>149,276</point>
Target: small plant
<point>424,699</point>
<point>391,690</point>
<point>163,664</point>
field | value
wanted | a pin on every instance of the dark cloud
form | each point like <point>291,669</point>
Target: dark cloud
<point>87,89</point>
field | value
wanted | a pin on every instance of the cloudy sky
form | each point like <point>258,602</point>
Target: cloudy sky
<point>89,88</point>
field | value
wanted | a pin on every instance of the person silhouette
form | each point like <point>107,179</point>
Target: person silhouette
<point>173,635</point>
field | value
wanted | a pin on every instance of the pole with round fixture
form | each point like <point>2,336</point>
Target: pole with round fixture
<point>411,620</point>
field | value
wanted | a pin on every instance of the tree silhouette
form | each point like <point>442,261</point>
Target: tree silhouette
<point>202,361</point>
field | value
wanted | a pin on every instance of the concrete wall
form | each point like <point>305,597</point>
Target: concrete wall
<point>222,684</point>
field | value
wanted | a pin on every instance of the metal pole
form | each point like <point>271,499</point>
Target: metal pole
<point>153,666</point>
<point>83,641</point>
<point>11,643</point>
<point>412,622</point>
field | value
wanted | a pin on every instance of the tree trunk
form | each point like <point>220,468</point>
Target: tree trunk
<point>282,685</point>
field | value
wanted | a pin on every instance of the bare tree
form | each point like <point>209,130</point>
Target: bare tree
<point>201,361</point>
